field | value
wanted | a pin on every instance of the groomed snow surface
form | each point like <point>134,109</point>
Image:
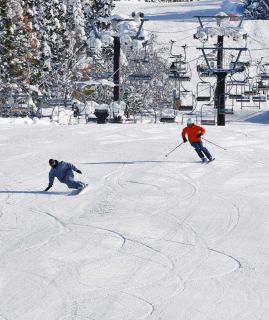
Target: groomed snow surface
<point>155,237</point>
<point>161,238</point>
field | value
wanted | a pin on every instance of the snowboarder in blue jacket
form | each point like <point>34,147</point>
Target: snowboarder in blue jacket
<point>63,171</point>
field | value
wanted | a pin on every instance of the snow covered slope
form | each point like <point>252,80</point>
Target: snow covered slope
<point>155,238</point>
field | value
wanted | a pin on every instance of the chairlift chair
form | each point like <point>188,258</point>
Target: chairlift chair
<point>204,72</point>
<point>264,76</point>
<point>20,106</point>
<point>139,77</point>
<point>209,116</point>
<point>263,85</point>
<point>245,101</point>
<point>180,70</point>
<point>250,91</point>
<point>243,98</point>
<point>204,91</point>
<point>185,102</point>
<point>235,88</point>
<point>180,76</point>
<point>259,98</point>
<point>167,114</point>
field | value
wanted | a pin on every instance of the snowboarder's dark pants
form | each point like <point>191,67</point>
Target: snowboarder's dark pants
<point>71,183</point>
<point>201,150</point>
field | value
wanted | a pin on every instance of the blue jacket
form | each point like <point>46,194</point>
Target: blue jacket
<point>62,172</point>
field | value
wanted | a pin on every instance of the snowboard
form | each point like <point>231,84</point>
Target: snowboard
<point>80,192</point>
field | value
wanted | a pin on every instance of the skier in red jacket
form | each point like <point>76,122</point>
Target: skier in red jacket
<point>194,134</point>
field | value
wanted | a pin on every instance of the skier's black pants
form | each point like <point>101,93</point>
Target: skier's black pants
<point>201,150</point>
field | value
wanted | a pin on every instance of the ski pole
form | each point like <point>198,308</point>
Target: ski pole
<point>214,144</point>
<point>174,149</point>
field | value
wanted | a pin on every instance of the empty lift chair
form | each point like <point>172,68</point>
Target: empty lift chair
<point>203,91</point>
<point>167,112</point>
<point>208,114</point>
<point>185,101</point>
<point>253,96</point>
<point>21,106</point>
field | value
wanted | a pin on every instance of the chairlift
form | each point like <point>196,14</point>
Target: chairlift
<point>208,114</point>
<point>259,98</point>
<point>21,107</point>
<point>60,102</point>
<point>211,56</point>
<point>262,85</point>
<point>203,91</point>
<point>239,66</point>
<point>250,91</point>
<point>179,76</point>
<point>246,101</point>
<point>243,98</point>
<point>168,113</point>
<point>180,72</point>
<point>205,72</point>
<point>192,115</point>
<point>264,76</point>
<point>235,88</point>
<point>139,77</point>
<point>185,102</point>
<point>226,109</point>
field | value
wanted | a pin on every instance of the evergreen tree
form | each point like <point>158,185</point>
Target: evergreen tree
<point>15,46</point>
<point>257,9</point>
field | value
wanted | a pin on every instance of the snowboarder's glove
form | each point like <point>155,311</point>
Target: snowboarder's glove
<point>185,139</point>
<point>48,187</point>
<point>78,171</point>
<point>199,135</point>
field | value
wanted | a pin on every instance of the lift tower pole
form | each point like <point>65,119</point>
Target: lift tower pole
<point>219,98</point>
<point>117,48</point>
<point>116,77</point>
<point>223,27</point>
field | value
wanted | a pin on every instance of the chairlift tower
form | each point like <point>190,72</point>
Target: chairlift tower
<point>179,72</point>
<point>222,28</point>
<point>117,49</point>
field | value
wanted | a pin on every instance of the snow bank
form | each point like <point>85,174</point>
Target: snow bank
<point>25,120</point>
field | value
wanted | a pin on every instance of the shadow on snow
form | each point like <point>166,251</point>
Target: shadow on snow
<point>134,162</point>
<point>31,192</point>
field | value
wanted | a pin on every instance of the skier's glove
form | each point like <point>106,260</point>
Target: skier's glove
<point>78,171</point>
<point>199,135</point>
<point>185,139</point>
<point>48,187</point>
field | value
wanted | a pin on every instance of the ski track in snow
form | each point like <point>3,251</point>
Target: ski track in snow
<point>114,186</point>
<point>139,242</point>
<point>237,263</point>
<point>155,238</point>
<point>116,181</point>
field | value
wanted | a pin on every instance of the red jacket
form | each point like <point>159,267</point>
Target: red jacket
<point>192,133</point>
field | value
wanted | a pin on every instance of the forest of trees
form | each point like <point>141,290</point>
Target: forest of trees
<point>257,9</point>
<point>43,44</point>
<point>48,47</point>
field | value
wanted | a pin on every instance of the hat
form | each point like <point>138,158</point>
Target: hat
<point>53,163</point>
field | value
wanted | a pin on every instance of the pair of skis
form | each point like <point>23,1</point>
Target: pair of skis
<point>207,161</point>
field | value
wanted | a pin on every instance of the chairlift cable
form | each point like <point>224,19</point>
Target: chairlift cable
<point>177,31</point>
